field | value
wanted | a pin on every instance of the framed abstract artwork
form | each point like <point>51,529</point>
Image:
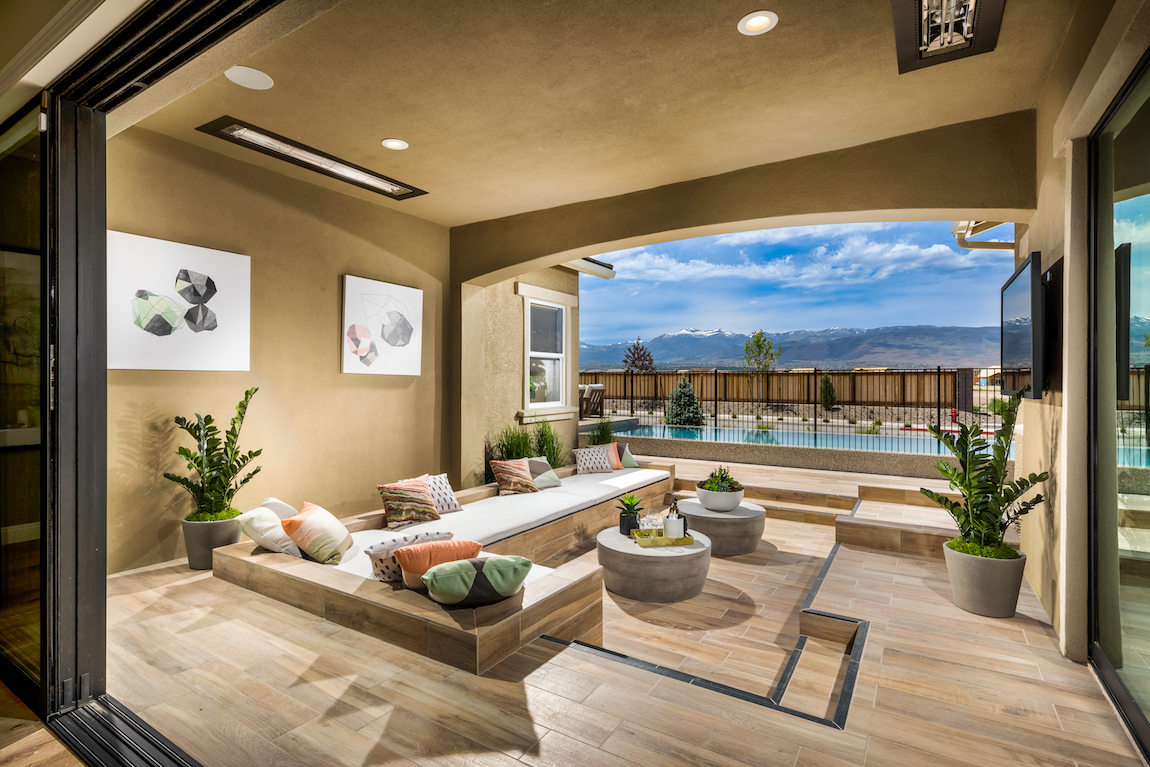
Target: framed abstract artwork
<point>382,331</point>
<point>173,306</point>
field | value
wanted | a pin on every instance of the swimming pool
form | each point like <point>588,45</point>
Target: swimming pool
<point>886,443</point>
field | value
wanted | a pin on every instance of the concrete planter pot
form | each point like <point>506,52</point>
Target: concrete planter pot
<point>719,501</point>
<point>201,537</point>
<point>984,586</point>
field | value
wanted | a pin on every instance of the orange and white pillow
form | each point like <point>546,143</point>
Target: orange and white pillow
<point>418,559</point>
<point>318,534</point>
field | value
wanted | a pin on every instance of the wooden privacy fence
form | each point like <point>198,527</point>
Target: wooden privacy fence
<point>891,388</point>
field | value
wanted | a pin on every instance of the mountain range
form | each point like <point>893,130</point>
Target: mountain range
<point>909,346</point>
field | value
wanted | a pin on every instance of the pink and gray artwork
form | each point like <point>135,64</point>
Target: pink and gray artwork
<point>360,344</point>
<point>162,316</point>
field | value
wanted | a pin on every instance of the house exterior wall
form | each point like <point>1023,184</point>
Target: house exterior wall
<point>327,437</point>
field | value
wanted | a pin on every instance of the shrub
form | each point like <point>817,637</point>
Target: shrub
<point>780,418</point>
<point>877,422</point>
<point>758,418</point>
<point>827,397</point>
<point>907,425</point>
<point>603,433</point>
<point>872,429</point>
<point>764,426</point>
<point>851,421</point>
<point>977,409</point>
<point>826,420</point>
<point>549,444</point>
<point>997,406</point>
<point>805,419</point>
<point>683,406</point>
<point>650,412</point>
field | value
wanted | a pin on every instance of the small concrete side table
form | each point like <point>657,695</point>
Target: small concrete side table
<point>653,573</point>
<point>737,531</point>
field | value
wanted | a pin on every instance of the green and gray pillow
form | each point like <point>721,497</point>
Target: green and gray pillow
<point>474,582</point>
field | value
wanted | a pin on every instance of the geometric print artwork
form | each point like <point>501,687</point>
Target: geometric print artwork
<point>173,306</point>
<point>382,328</point>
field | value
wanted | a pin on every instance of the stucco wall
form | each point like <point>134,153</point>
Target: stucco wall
<point>327,437</point>
<point>1054,435</point>
<point>503,379</point>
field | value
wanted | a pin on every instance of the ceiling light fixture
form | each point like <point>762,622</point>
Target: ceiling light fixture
<point>247,77</point>
<point>273,145</point>
<point>758,22</point>
<point>397,144</point>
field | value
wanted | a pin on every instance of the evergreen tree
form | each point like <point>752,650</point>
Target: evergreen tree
<point>827,397</point>
<point>638,358</point>
<point>683,408</point>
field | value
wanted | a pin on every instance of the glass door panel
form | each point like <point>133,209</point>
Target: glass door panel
<point>21,392</point>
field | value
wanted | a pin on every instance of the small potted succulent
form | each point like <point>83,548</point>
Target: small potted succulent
<point>985,573</point>
<point>218,465</point>
<point>720,491</point>
<point>629,514</point>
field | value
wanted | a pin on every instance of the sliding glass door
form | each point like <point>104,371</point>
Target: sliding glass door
<point>1121,405</point>
<point>22,405</point>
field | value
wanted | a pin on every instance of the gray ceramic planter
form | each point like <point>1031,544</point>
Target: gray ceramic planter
<point>713,500</point>
<point>985,586</point>
<point>201,537</point>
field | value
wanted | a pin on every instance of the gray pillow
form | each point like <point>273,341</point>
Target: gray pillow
<point>542,473</point>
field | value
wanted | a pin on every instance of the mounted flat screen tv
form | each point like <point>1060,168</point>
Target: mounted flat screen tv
<point>1022,325</point>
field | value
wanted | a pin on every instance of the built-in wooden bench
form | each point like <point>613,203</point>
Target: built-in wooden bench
<point>566,602</point>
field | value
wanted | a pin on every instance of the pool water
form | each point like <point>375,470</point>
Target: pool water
<point>886,443</point>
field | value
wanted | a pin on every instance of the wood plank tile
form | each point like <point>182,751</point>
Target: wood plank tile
<point>323,742</point>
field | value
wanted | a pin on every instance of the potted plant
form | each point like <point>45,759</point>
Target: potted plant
<point>985,573</point>
<point>629,514</point>
<point>217,464</point>
<point>720,491</point>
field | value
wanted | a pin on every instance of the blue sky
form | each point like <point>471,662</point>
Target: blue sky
<point>1131,224</point>
<point>808,277</point>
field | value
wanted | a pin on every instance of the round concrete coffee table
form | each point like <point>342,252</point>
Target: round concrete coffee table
<point>737,531</point>
<point>653,573</point>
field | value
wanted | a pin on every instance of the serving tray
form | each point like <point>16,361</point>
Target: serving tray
<point>656,538</point>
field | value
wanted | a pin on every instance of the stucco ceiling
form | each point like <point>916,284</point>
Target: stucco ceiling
<point>520,105</point>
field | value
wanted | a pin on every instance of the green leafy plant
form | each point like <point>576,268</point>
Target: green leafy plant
<point>603,433</point>
<point>991,503</point>
<point>805,419</point>
<point>758,418</point>
<point>217,463</point>
<point>764,426</point>
<point>997,406</point>
<point>852,421</point>
<point>548,444</point>
<point>683,406</point>
<point>759,353</point>
<point>872,429</point>
<point>907,426</point>
<point>877,422</point>
<point>720,481</point>
<point>827,396</point>
<point>629,505</point>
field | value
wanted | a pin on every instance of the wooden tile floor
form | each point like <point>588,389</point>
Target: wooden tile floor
<point>25,741</point>
<point>239,679</point>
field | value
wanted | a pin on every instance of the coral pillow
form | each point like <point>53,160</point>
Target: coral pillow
<point>614,456</point>
<point>513,477</point>
<point>418,559</point>
<point>318,534</point>
<point>384,565</point>
<point>407,502</point>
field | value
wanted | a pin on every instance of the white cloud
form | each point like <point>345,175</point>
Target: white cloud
<point>858,259</point>
<point>1131,231</point>
<point>786,234</point>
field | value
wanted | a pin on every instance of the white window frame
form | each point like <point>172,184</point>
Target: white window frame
<point>547,411</point>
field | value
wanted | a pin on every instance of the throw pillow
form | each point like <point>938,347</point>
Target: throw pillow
<point>407,502</point>
<point>385,567</point>
<point>418,559</point>
<point>281,509</point>
<point>318,534</point>
<point>627,459</point>
<point>613,455</point>
<point>264,527</point>
<point>542,474</point>
<point>441,493</point>
<point>513,477</point>
<point>593,460</point>
<point>473,582</point>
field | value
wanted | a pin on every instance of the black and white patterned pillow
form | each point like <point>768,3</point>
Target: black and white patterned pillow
<point>385,567</point>
<point>443,495</point>
<point>593,460</point>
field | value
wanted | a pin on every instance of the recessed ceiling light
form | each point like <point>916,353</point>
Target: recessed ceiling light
<point>758,22</point>
<point>249,78</point>
<point>394,143</point>
<point>283,148</point>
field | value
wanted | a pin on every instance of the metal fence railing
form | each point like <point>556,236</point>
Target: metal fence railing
<point>889,410</point>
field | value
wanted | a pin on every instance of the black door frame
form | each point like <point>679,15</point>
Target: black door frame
<point>72,693</point>
<point>1135,719</point>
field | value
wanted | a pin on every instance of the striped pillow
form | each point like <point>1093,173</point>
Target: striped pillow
<point>441,493</point>
<point>317,533</point>
<point>407,502</point>
<point>513,477</point>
